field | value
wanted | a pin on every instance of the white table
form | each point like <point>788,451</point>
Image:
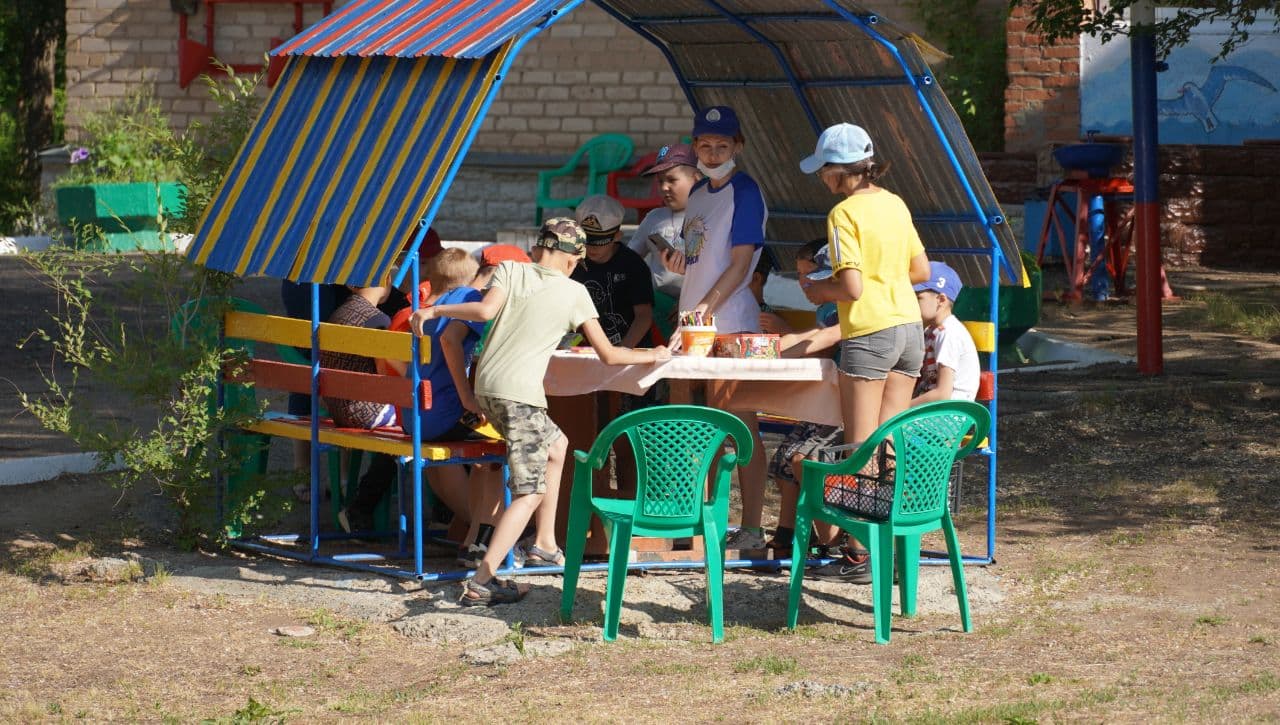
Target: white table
<point>801,388</point>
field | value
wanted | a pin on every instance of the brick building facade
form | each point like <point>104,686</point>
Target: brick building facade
<point>586,75</point>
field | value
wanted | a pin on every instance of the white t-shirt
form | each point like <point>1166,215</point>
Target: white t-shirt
<point>951,346</point>
<point>667,223</point>
<point>715,221</point>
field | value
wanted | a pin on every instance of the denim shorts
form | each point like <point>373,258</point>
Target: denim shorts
<point>529,433</point>
<point>898,349</point>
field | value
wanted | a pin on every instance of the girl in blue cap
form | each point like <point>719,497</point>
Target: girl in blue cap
<point>723,236</point>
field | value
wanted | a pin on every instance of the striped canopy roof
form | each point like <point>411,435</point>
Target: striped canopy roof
<point>359,140</point>
<point>341,166</point>
<point>413,29</point>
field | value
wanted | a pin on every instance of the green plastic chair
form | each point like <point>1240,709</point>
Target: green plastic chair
<point>926,441</point>
<point>676,447</point>
<point>198,319</point>
<point>605,153</point>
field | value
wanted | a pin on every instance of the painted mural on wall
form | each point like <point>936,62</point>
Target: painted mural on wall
<point>1200,102</point>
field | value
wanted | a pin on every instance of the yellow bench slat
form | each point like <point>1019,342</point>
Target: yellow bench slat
<point>336,338</point>
<point>394,444</point>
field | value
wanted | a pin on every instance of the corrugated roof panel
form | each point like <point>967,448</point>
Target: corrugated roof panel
<point>414,28</point>
<point>319,185</point>
<point>342,165</point>
<point>845,74</point>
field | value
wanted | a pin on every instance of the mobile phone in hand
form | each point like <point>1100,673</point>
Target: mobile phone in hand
<point>661,244</point>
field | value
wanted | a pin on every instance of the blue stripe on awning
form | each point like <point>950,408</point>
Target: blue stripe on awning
<point>341,166</point>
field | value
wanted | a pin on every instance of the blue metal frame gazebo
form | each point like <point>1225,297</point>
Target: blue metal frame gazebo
<point>379,103</point>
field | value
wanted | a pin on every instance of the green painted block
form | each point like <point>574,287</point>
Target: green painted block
<point>1018,307</point>
<point>127,214</point>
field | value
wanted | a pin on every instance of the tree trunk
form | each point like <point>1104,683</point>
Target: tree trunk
<point>36,32</point>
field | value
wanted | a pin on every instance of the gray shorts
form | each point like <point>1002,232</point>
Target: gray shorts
<point>898,349</point>
<point>529,433</point>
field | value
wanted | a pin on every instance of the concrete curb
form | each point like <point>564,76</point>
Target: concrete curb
<point>18,471</point>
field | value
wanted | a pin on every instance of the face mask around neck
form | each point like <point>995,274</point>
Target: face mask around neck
<point>718,172</point>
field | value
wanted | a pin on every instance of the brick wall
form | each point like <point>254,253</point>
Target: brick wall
<point>1042,101</point>
<point>1218,205</point>
<point>113,46</point>
<point>588,74</point>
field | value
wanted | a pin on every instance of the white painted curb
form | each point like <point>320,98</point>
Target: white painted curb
<point>17,471</point>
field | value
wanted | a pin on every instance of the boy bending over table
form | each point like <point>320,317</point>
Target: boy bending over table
<point>533,306</point>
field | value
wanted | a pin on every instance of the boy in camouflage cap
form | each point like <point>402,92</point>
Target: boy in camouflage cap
<point>533,306</point>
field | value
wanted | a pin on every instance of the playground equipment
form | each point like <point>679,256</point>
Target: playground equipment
<point>377,105</point>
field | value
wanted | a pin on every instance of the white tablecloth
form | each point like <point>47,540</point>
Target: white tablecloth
<point>804,388</point>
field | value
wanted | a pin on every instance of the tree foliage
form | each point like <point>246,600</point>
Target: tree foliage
<point>153,348</point>
<point>974,77</point>
<point>32,43</point>
<point>1058,20</point>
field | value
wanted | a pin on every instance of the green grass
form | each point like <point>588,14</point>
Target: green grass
<point>768,664</point>
<point>160,576</point>
<point>660,668</point>
<point>252,712</point>
<point>1126,538</point>
<point>1211,620</point>
<point>325,621</point>
<point>1039,678</point>
<point>914,668</point>
<point>1251,312</point>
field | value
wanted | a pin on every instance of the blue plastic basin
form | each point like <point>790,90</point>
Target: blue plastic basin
<point>1095,159</point>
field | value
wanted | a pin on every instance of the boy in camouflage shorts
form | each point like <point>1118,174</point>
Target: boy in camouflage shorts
<point>533,306</point>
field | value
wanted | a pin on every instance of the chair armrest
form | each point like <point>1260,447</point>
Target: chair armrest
<point>581,456</point>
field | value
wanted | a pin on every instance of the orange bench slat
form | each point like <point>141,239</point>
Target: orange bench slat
<point>345,384</point>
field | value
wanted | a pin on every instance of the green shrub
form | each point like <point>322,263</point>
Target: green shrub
<point>129,141</point>
<point>145,348</point>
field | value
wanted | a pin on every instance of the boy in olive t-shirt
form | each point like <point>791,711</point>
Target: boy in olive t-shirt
<point>533,306</point>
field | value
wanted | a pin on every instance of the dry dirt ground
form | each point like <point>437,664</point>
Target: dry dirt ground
<point>1136,580</point>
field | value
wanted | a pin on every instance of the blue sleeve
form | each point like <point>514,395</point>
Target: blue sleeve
<point>473,295</point>
<point>748,213</point>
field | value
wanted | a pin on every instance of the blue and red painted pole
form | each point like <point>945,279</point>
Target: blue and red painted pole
<point>1146,192</point>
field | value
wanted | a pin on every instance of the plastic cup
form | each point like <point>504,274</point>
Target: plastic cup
<point>697,340</point>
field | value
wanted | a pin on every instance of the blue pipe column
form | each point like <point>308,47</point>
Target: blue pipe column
<point>1100,278</point>
<point>1146,191</point>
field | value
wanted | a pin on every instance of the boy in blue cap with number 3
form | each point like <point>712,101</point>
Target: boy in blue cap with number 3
<point>951,370</point>
<point>723,238</point>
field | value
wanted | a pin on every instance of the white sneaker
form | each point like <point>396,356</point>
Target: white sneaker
<point>744,539</point>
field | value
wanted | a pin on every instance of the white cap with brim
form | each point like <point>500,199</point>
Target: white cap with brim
<point>843,143</point>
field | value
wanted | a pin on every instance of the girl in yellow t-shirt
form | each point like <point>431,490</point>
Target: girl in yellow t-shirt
<point>876,257</point>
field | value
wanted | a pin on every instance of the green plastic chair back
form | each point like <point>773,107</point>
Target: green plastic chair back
<point>676,448</point>
<point>604,153</point>
<point>926,441</point>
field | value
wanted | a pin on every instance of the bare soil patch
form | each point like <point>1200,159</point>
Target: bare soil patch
<point>1136,578</point>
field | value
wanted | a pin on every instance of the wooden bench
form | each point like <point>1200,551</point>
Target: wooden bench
<point>387,389</point>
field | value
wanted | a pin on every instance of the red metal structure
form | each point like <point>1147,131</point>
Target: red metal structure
<point>1075,251</point>
<point>196,59</point>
